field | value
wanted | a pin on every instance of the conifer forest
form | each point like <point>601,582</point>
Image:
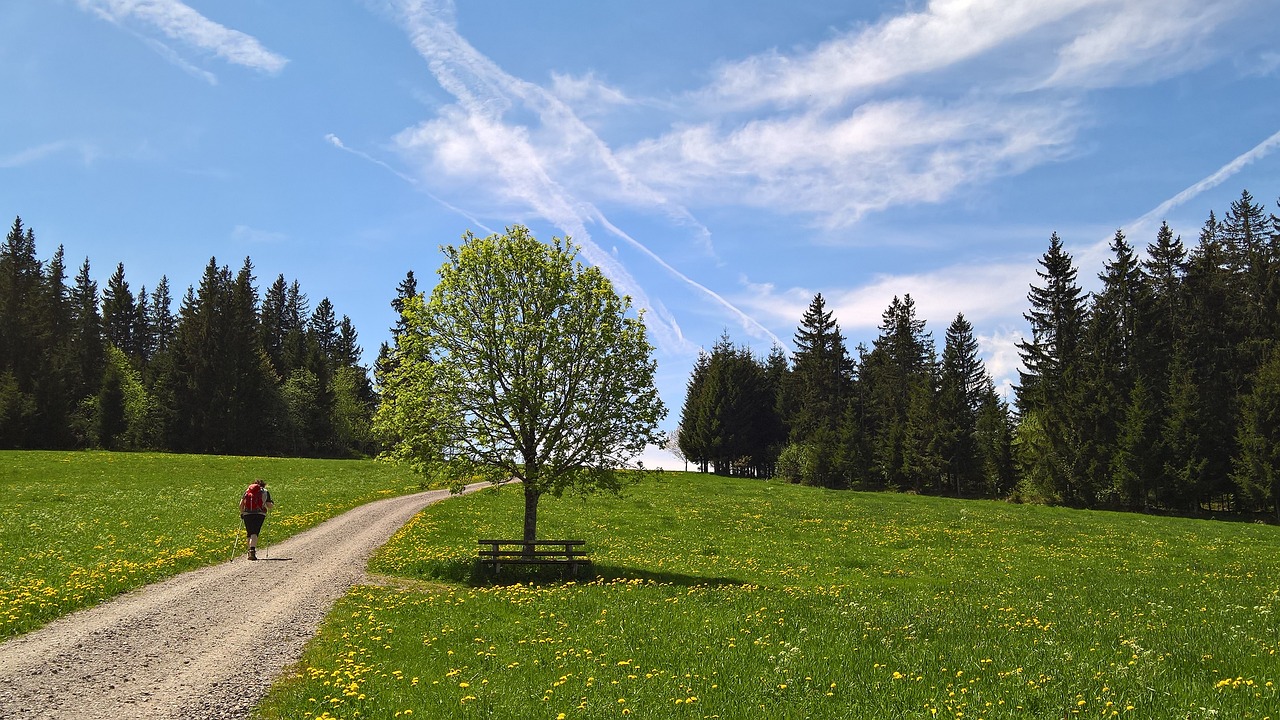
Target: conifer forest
<point>1158,392</point>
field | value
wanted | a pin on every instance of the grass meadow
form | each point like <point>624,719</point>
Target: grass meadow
<point>726,598</point>
<point>79,527</point>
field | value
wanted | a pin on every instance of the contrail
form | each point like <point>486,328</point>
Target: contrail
<point>336,141</point>
<point>1258,152</point>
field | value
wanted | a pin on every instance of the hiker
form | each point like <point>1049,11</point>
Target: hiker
<point>253,511</point>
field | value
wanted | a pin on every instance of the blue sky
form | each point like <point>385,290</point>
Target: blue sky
<point>721,162</point>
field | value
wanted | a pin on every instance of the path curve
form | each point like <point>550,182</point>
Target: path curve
<point>204,644</point>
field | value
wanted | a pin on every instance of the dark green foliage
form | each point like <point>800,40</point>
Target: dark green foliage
<point>1051,391</point>
<point>119,312</point>
<point>212,379</point>
<point>962,385</point>
<point>1257,467</point>
<point>1109,370</point>
<point>730,419</point>
<point>821,376</point>
<point>898,380</point>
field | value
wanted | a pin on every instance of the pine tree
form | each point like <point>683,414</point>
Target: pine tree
<point>1049,391</point>
<point>162,322</point>
<point>25,335</point>
<point>274,326</point>
<point>1213,348</point>
<point>347,350</point>
<point>1113,331</point>
<point>86,339</point>
<point>994,432</point>
<point>1133,464</point>
<point>961,384</point>
<point>1245,234</point>
<point>1257,468</point>
<point>118,312</point>
<point>57,373</point>
<point>323,327</point>
<point>386,362</point>
<point>144,336</point>
<point>902,357</point>
<point>247,378</point>
<point>821,374</point>
<point>695,431</point>
<point>293,325</point>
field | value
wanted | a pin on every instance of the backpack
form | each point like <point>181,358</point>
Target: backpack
<point>252,500</point>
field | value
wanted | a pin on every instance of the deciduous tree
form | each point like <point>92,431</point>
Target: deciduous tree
<point>525,364</point>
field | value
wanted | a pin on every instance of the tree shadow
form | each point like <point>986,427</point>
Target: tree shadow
<point>483,576</point>
<point>472,573</point>
<point>609,573</point>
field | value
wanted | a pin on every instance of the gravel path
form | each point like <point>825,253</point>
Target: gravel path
<point>205,644</point>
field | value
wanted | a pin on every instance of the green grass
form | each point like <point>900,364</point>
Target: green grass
<point>79,527</point>
<point>724,598</point>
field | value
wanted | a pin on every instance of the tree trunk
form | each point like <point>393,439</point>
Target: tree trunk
<point>531,497</point>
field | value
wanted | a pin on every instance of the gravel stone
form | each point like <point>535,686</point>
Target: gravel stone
<point>206,644</point>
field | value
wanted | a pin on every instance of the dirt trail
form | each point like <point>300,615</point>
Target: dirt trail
<point>205,644</point>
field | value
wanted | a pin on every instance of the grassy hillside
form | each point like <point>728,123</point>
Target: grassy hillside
<point>741,599</point>
<point>79,527</point>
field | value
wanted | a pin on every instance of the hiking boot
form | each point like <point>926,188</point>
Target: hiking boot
<point>253,554</point>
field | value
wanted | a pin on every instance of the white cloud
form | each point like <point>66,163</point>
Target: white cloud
<point>1138,41</point>
<point>991,293</point>
<point>254,236</point>
<point>587,94</point>
<point>984,293</point>
<point>550,163</point>
<point>879,116</point>
<point>999,352</point>
<point>35,154</point>
<point>179,22</point>
<point>879,155</point>
<point>944,33</point>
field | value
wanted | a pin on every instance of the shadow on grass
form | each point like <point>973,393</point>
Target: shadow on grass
<point>470,572</point>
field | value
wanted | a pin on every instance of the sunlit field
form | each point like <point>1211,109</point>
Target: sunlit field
<point>725,598</point>
<point>79,527</point>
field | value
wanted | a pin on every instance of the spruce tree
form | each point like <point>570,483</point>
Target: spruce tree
<point>961,385</point>
<point>86,337</point>
<point>1257,468</point>
<point>162,322</point>
<point>118,312</point>
<point>273,324</point>
<point>144,337</point>
<point>901,359</point>
<point>1049,393</point>
<point>821,374</point>
<point>1212,346</point>
<point>695,431</point>
<point>1112,334</point>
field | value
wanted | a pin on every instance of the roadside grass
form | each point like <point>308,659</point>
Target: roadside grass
<point>728,598</point>
<point>80,527</point>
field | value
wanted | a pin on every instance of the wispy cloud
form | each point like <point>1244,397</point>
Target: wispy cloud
<point>255,236</point>
<point>551,164</point>
<point>919,106</point>
<point>911,109</point>
<point>38,153</point>
<point>856,62</point>
<point>181,23</point>
<point>879,155</point>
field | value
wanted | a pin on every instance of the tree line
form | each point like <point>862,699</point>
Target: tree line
<point>1160,391</point>
<point>231,372</point>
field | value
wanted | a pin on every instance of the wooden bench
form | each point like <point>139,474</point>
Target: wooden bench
<point>566,553</point>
